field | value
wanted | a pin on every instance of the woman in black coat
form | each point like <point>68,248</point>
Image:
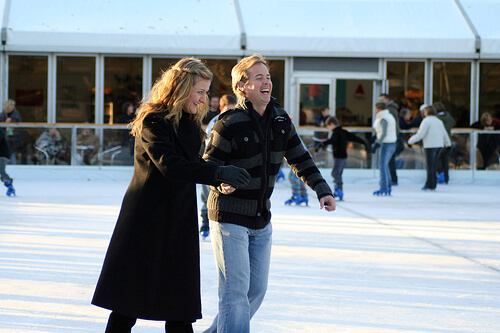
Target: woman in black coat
<point>151,269</point>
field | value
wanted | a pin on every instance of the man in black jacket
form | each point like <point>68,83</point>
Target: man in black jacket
<point>256,136</point>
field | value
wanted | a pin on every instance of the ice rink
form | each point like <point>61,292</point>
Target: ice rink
<point>412,262</point>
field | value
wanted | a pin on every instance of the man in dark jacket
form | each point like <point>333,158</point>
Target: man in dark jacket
<point>257,135</point>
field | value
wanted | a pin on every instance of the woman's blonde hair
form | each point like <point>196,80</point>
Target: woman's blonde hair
<point>484,118</point>
<point>240,73</point>
<point>8,103</point>
<point>171,91</point>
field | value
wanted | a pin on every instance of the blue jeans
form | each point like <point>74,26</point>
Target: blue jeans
<point>242,256</point>
<point>386,152</point>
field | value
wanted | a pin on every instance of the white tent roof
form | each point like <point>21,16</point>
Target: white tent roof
<point>147,26</point>
<point>413,28</point>
<point>346,28</point>
<point>485,16</point>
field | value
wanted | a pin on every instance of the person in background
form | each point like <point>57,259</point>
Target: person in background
<point>324,113</point>
<point>128,115</point>
<point>256,135</point>
<point>14,139</point>
<point>443,161</point>
<point>487,144</point>
<point>152,267</point>
<point>385,130</point>
<point>213,111</point>
<point>404,119</point>
<point>92,141</point>
<point>393,109</point>
<point>226,102</point>
<point>4,156</point>
<point>434,136</point>
<point>415,122</point>
<point>52,143</point>
<point>339,140</point>
<point>299,190</point>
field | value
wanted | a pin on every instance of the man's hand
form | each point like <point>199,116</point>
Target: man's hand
<point>226,188</point>
<point>375,146</point>
<point>328,203</point>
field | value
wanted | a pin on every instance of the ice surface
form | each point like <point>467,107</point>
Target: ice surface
<point>412,262</point>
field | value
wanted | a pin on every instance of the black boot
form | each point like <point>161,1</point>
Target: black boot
<point>118,323</point>
<point>178,327</point>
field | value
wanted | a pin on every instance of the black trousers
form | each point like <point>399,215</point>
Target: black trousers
<point>443,163</point>
<point>118,323</point>
<point>431,155</point>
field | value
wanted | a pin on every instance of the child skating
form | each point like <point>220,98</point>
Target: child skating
<point>339,139</point>
<point>299,192</point>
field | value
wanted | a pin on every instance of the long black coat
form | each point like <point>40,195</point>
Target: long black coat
<point>151,269</point>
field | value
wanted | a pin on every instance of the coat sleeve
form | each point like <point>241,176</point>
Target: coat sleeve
<point>354,138</point>
<point>422,131</point>
<point>157,139</point>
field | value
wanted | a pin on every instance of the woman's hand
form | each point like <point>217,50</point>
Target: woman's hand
<point>226,188</point>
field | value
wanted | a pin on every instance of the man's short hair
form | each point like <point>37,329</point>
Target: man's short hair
<point>226,100</point>
<point>332,120</point>
<point>384,95</point>
<point>431,111</point>
<point>381,105</point>
<point>422,107</point>
<point>438,106</point>
<point>240,72</point>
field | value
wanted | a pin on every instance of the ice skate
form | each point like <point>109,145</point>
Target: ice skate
<point>382,192</point>
<point>281,176</point>
<point>425,188</point>
<point>338,194</point>
<point>440,178</point>
<point>204,231</point>
<point>11,192</point>
<point>293,199</point>
<point>301,199</point>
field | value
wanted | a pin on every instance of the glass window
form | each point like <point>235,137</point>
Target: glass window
<point>277,69</point>
<point>451,85</point>
<point>28,86</point>
<point>406,84</point>
<point>354,102</point>
<point>122,84</point>
<point>489,89</point>
<point>75,89</point>
<point>160,65</point>
<point>313,97</point>
<point>221,68</point>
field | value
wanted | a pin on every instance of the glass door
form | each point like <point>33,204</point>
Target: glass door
<point>350,100</point>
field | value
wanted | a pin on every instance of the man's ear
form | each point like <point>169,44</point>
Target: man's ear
<point>240,85</point>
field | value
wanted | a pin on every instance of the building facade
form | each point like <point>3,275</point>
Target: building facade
<point>80,63</point>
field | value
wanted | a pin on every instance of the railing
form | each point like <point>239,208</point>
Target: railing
<point>115,141</point>
<point>412,157</point>
<point>109,136</point>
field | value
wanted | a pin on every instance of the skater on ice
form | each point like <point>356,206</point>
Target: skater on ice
<point>152,266</point>
<point>257,135</point>
<point>386,137</point>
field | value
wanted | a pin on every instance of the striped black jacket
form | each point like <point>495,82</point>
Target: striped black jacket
<point>237,138</point>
